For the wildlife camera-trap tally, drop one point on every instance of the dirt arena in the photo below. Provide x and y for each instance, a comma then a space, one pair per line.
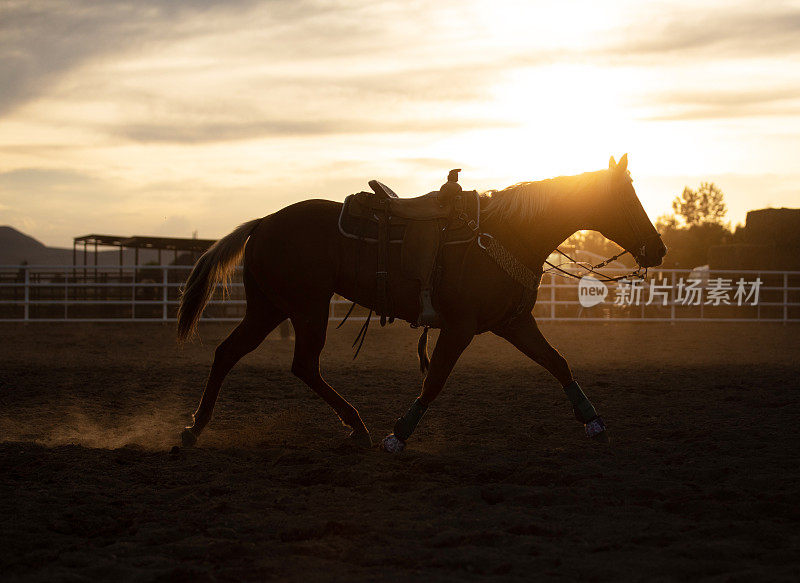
701, 482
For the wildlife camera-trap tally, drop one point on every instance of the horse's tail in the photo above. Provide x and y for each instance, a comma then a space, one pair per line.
214, 265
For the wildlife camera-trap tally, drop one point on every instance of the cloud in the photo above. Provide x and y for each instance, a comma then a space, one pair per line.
250, 104
210, 132
746, 97
762, 30
56, 193
253, 70
362, 48
33, 180
225, 104
715, 104
41, 41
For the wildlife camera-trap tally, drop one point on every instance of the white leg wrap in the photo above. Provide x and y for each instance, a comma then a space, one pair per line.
393, 445
595, 427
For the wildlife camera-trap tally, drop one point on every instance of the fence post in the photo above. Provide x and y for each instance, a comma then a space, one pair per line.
672, 298
641, 312
133, 293
66, 291
785, 297
704, 286
27, 292
758, 307
164, 295
552, 296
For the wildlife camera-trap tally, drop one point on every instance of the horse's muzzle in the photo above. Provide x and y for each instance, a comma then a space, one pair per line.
652, 253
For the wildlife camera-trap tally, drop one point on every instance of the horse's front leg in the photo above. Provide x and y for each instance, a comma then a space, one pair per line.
524, 334
451, 343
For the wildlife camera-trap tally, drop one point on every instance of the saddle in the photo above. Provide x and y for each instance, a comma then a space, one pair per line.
422, 226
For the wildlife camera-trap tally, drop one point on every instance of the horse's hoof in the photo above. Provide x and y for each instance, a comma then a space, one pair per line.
361, 439
188, 438
594, 427
596, 430
392, 444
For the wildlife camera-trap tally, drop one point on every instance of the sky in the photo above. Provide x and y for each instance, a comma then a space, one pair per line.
163, 117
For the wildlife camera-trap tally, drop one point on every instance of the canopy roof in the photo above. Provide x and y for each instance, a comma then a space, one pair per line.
139, 242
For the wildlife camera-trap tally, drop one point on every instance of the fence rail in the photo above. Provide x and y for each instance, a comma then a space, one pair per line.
151, 293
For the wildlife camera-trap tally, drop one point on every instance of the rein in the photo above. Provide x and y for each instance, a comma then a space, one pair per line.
638, 273
528, 279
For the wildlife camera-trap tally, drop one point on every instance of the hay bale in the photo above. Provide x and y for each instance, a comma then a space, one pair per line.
780, 227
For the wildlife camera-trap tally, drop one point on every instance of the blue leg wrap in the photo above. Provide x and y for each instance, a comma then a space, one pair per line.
406, 425
580, 403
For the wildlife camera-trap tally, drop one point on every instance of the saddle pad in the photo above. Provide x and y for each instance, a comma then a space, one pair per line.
358, 221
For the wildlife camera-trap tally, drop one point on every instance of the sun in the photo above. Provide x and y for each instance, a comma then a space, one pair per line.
551, 120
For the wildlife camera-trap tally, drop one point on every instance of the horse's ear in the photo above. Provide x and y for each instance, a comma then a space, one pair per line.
612, 163
623, 164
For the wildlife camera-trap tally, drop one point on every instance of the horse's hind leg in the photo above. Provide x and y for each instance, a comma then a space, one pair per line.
452, 341
259, 320
310, 328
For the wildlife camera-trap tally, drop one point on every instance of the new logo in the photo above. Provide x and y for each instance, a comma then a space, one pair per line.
591, 291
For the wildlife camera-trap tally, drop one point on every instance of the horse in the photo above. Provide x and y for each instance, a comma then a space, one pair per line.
296, 259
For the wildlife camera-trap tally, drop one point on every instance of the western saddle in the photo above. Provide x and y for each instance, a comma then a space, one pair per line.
421, 225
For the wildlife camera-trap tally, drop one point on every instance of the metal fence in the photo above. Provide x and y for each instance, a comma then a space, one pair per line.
151, 293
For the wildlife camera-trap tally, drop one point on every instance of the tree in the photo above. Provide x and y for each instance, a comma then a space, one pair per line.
666, 223
696, 226
688, 246
701, 206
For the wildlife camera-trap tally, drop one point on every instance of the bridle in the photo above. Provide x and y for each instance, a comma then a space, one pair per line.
638, 273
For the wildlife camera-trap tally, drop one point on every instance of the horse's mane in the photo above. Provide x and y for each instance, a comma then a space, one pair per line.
526, 201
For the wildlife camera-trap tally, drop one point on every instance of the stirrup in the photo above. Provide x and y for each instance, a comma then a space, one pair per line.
428, 316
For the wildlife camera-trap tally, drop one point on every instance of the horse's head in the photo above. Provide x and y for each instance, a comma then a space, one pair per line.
621, 218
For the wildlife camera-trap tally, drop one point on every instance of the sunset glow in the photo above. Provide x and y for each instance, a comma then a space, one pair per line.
151, 118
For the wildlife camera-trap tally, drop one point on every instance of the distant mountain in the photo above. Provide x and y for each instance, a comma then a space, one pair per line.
17, 247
